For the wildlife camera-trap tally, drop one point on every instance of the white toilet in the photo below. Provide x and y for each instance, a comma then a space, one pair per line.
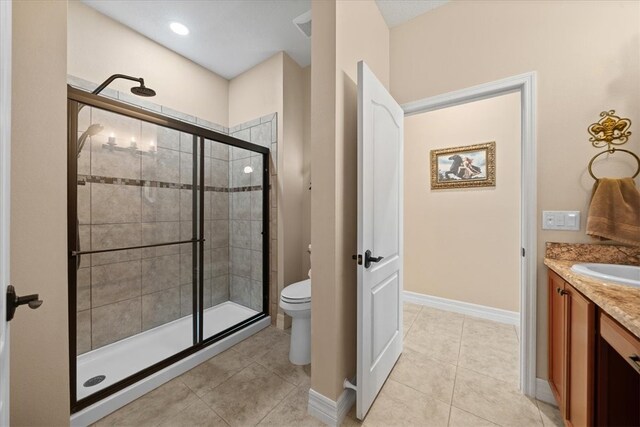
295, 300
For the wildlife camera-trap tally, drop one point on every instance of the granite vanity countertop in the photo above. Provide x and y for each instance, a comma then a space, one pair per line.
619, 301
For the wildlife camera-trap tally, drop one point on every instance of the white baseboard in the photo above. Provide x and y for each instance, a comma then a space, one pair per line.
329, 412
467, 308
543, 392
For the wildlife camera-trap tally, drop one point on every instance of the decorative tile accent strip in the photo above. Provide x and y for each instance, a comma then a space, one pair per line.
97, 179
246, 188
585, 252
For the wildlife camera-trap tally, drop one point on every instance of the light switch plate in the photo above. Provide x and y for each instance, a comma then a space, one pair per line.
561, 220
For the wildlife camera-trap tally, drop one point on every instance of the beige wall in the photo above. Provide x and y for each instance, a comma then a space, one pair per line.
257, 91
580, 73
292, 167
345, 32
99, 47
306, 170
447, 231
362, 34
324, 322
39, 344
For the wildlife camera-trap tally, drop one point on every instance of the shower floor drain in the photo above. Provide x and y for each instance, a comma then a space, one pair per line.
94, 381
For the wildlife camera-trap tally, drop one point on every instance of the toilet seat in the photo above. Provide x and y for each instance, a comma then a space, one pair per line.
296, 301
299, 308
297, 293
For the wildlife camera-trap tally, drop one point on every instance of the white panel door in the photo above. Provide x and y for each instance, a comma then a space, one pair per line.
5, 152
380, 177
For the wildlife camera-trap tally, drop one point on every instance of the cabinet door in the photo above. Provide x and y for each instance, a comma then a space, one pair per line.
580, 334
557, 324
618, 390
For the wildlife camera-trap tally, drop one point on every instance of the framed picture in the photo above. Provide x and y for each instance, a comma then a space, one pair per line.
464, 167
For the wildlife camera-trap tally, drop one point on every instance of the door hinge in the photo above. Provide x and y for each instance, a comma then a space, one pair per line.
523, 252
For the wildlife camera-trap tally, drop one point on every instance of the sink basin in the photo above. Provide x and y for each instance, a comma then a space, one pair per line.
624, 274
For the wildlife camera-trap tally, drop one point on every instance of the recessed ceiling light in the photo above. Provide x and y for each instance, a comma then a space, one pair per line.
179, 28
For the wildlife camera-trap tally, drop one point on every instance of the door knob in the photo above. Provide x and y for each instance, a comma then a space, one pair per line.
14, 301
368, 259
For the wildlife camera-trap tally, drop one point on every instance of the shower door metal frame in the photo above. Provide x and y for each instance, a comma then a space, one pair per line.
77, 97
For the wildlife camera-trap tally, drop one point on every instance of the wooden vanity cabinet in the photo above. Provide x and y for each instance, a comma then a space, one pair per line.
571, 351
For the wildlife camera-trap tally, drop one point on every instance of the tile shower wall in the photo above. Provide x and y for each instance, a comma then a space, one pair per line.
130, 198
246, 211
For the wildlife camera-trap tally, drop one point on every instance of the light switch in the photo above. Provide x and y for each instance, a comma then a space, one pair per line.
561, 220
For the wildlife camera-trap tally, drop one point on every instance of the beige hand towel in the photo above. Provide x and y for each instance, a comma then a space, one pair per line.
614, 212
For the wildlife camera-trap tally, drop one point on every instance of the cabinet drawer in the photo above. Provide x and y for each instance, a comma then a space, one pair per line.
623, 341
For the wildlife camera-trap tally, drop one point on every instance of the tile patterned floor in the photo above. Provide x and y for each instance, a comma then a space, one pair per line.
455, 371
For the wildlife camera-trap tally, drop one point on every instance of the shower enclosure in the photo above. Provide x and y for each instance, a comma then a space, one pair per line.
156, 208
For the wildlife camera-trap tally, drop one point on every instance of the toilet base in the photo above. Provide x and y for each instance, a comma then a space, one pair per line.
300, 347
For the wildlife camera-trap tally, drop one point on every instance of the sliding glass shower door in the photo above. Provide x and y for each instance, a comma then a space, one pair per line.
234, 231
166, 244
136, 188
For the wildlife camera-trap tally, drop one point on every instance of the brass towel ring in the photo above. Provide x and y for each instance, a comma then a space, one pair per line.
611, 151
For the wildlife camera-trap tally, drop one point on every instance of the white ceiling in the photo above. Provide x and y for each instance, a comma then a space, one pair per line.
229, 37
397, 12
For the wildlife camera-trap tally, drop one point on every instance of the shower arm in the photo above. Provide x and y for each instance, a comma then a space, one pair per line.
114, 77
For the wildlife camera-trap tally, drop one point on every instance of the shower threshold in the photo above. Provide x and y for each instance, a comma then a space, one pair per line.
126, 357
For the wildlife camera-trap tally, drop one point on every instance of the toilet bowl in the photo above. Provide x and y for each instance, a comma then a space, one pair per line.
295, 300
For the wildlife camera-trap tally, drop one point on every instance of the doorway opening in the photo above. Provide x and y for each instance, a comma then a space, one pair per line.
524, 87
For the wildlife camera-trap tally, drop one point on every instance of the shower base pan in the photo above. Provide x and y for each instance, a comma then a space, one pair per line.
126, 357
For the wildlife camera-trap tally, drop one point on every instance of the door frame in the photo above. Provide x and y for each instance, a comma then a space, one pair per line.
5, 190
525, 84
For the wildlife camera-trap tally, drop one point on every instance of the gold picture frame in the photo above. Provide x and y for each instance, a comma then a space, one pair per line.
464, 167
